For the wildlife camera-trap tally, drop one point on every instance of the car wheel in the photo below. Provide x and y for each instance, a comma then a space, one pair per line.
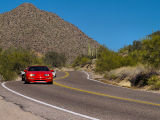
50, 82
26, 82
23, 78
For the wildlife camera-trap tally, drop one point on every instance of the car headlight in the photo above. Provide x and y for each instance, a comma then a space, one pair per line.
32, 75
46, 74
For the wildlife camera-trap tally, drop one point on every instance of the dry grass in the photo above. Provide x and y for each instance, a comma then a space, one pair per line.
125, 73
131, 76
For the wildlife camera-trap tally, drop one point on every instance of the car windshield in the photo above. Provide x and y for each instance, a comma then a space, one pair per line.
38, 68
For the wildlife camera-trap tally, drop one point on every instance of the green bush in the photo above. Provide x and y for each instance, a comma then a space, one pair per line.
55, 59
81, 60
13, 60
151, 50
113, 76
145, 51
154, 81
108, 60
128, 61
84, 61
156, 86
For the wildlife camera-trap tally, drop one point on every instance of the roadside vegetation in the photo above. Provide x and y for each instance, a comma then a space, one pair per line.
54, 59
138, 63
81, 61
147, 53
14, 60
108, 60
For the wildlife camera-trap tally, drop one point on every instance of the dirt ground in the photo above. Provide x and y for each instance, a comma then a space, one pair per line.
8, 111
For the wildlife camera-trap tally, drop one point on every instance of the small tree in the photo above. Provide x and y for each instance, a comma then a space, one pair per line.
81, 61
55, 59
13, 60
151, 51
108, 60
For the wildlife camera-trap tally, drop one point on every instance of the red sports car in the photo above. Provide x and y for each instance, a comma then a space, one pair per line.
38, 74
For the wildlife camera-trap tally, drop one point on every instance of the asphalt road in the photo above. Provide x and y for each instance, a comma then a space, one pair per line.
76, 93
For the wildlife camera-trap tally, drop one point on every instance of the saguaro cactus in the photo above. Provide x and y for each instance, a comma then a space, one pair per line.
89, 49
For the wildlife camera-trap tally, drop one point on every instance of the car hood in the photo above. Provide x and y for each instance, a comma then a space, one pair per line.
39, 72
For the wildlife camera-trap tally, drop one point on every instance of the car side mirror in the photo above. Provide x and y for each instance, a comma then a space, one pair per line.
52, 70
25, 70
22, 72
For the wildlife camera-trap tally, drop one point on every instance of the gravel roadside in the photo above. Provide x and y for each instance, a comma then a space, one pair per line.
10, 111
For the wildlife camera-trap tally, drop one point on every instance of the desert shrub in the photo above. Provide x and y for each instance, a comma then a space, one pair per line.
128, 61
81, 61
145, 51
13, 60
84, 61
136, 45
110, 76
108, 60
154, 81
125, 72
156, 86
151, 50
55, 59
141, 79
137, 75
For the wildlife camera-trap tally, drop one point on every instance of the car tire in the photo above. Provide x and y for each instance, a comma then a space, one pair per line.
23, 78
26, 82
50, 82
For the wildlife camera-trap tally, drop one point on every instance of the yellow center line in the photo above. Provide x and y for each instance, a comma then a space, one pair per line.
101, 94
67, 74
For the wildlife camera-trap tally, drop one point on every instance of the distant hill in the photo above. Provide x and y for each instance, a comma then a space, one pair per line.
28, 27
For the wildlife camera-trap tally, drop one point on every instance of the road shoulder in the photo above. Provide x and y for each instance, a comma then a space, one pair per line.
11, 111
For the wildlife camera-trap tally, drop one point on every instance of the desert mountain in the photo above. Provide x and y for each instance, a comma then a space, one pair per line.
29, 27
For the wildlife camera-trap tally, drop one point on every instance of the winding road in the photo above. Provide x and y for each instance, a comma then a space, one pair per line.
73, 96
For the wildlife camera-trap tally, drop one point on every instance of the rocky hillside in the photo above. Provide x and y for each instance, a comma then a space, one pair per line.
28, 27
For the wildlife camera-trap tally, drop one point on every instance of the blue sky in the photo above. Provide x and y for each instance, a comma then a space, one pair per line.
114, 23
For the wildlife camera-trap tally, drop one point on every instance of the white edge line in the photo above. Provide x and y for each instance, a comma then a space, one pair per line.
88, 77
49, 105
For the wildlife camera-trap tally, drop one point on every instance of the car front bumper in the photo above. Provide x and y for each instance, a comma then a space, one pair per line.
40, 80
